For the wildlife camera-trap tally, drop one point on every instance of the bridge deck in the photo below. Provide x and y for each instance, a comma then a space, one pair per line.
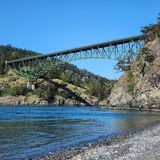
84, 48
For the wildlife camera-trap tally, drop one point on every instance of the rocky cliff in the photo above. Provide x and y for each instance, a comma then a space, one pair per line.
139, 88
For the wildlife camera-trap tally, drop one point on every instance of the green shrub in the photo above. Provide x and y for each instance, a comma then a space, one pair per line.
131, 88
130, 82
10, 79
15, 91
130, 76
41, 92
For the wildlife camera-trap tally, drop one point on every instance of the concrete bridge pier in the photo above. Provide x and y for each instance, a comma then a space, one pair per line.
31, 85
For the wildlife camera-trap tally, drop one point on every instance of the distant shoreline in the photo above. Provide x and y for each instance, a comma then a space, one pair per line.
96, 106
117, 146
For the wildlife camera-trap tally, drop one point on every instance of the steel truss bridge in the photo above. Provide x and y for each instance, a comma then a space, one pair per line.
126, 48
32, 68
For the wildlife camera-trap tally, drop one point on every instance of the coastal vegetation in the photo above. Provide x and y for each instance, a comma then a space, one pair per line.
151, 31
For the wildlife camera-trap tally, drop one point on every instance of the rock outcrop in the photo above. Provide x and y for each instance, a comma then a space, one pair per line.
145, 82
21, 100
119, 97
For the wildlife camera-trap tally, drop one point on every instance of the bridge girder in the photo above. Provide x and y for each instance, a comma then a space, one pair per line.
116, 50
120, 51
33, 68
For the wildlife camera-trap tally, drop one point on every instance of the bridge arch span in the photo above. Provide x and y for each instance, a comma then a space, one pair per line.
115, 50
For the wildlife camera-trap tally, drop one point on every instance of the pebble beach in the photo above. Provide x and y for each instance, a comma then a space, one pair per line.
142, 144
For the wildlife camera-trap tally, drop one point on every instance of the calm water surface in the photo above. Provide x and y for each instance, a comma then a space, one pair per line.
32, 131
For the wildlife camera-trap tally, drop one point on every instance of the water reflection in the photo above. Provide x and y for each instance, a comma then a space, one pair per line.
28, 131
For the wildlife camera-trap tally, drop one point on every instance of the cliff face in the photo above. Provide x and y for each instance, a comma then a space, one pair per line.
139, 88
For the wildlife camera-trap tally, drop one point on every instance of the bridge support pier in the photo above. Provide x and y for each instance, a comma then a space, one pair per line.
31, 85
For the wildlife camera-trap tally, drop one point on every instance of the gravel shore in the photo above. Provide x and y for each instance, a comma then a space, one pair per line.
143, 144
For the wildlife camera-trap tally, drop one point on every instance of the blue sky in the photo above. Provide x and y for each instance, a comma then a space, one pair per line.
46, 26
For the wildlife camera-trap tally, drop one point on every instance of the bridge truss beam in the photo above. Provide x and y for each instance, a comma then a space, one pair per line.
119, 49
33, 68
115, 52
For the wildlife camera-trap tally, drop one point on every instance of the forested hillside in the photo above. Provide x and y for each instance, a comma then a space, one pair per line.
10, 53
63, 74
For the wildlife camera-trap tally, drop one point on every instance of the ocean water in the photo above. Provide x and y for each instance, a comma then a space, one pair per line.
31, 131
